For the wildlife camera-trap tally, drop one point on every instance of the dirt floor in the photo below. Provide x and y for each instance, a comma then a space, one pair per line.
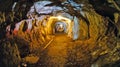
61, 53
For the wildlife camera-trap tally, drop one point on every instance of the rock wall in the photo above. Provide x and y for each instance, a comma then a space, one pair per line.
9, 54
96, 39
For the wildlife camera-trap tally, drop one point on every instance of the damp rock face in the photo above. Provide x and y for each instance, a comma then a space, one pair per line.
106, 52
9, 54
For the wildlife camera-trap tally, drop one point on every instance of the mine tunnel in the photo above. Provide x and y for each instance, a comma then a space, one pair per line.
59, 33
59, 27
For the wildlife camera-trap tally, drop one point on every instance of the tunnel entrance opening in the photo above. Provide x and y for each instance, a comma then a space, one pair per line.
59, 28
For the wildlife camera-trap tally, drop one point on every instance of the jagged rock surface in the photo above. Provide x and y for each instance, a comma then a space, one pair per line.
98, 44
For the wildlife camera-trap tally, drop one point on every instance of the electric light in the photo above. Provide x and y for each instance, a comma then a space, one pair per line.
61, 18
61, 25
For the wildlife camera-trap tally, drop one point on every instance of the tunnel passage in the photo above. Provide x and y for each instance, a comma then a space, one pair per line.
59, 27
59, 24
